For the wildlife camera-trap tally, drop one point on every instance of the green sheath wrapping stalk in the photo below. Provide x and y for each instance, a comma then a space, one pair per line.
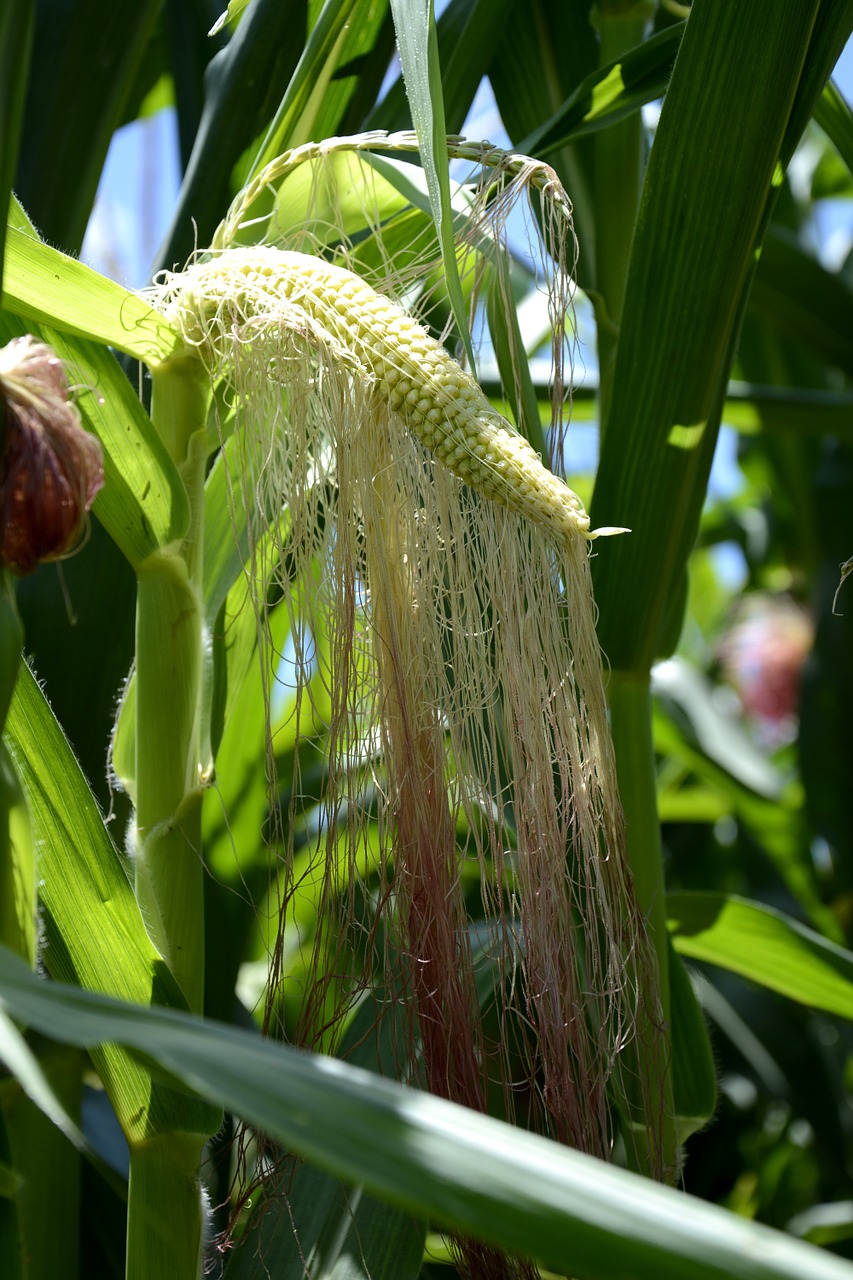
439, 402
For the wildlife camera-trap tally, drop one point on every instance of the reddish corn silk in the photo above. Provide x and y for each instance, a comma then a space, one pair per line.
51, 468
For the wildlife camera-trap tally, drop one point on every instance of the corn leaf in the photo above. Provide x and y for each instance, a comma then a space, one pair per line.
463, 1169
609, 94
329, 1232
42, 1142
346, 84
764, 945
469, 32
547, 49
42, 284
92, 929
709, 180
774, 821
88, 59
834, 116
686, 697
258, 61
19, 1059
414, 23
794, 294
16, 33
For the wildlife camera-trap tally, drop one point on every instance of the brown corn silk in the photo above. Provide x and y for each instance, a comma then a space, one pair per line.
450, 629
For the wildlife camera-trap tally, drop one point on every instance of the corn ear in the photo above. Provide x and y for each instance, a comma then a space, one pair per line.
390, 350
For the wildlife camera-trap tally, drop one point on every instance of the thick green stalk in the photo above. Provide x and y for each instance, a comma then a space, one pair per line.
618, 182
630, 711
165, 1222
170, 774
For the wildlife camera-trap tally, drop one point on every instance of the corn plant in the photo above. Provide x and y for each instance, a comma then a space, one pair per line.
391, 739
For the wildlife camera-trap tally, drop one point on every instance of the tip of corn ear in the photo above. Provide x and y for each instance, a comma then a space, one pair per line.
606, 531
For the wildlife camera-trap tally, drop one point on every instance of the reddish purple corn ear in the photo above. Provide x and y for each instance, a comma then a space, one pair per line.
51, 468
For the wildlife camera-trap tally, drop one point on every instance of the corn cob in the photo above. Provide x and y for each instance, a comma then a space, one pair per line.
417, 378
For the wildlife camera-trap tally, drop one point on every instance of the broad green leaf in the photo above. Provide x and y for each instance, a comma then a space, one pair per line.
691, 804
468, 33
226, 539
832, 29
347, 80
312, 1222
318, 1226
83, 76
42, 284
236, 812
703, 210
18, 869
92, 931
513, 360
548, 48
311, 79
465, 1170
267, 61
764, 945
230, 16
609, 94
834, 116
191, 49
793, 292
774, 821
729, 1022
414, 23
16, 33
10, 1182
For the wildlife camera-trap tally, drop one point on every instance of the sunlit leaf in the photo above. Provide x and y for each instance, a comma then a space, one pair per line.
92, 930
42, 284
416, 37
765, 946
465, 1170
